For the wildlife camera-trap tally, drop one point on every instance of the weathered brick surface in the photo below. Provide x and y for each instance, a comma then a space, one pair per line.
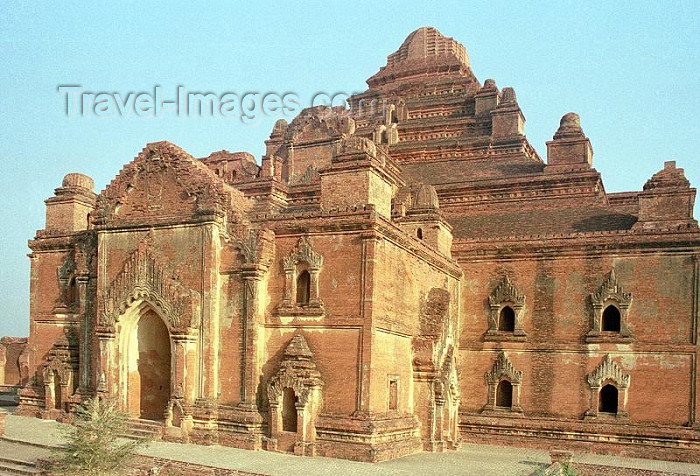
598, 470
350, 287
11, 350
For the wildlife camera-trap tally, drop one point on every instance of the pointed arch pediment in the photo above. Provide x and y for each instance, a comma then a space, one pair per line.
503, 368
608, 370
165, 181
303, 253
144, 278
611, 290
506, 292
506, 295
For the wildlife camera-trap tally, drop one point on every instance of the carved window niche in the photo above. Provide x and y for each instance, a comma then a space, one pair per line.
506, 304
301, 281
609, 385
610, 309
59, 374
295, 397
504, 387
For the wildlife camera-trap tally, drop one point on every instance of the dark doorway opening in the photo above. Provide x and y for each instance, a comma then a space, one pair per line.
506, 319
608, 399
303, 288
57, 396
504, 394
611, 319
289, 410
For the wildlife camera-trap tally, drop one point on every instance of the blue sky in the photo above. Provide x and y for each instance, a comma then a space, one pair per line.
630, 69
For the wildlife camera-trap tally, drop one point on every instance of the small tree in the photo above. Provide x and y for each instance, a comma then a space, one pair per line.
93, 445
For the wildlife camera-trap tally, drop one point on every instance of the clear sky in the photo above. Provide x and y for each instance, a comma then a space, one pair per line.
630, 69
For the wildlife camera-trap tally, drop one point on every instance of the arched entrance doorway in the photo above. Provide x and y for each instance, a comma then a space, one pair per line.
147, 357
153, 366
58, 401
289, 410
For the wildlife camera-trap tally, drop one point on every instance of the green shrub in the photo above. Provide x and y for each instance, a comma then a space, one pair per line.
93, 446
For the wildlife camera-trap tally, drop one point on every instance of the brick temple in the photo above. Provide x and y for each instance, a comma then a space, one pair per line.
406, 274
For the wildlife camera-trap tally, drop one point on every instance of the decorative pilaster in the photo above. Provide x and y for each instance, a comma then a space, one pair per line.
252, 276
257, 250
107, 369
184, 381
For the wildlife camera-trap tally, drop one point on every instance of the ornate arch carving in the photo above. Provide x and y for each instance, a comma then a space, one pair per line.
445, 428
142, 277
257, 246
610, 293
303, 253
62, 368
503, 369
506, 294
65, 275
447, 383
611, 290
608, 370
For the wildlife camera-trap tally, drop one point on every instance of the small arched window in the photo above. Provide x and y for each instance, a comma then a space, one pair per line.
607, 401
393, 118
504, 394
71, 293
384, 138
303, 288
506, 319
611, 319
289, 410
419, 233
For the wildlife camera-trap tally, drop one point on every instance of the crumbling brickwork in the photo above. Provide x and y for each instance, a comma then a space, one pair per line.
393, 278
12, 355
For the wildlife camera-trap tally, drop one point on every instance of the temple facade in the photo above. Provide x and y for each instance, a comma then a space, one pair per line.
404, 274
